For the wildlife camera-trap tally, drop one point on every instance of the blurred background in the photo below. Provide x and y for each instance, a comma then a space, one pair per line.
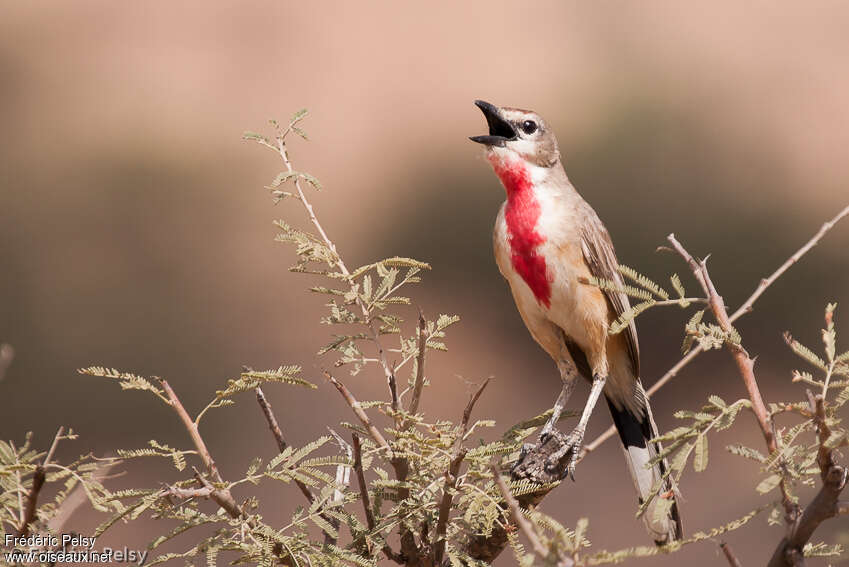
135, 231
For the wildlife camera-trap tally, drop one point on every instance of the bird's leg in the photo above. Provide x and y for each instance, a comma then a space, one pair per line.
568, 375
559, 405
576, 438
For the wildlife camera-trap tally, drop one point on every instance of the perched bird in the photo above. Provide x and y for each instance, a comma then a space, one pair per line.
548, 243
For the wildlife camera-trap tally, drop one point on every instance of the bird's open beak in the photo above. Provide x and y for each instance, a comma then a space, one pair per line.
500, 131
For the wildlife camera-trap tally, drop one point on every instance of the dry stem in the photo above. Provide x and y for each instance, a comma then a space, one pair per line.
826, 503
746, 307
729, 555
220, 496
384, 363
38, 478
418, 384
523, 523
458, 454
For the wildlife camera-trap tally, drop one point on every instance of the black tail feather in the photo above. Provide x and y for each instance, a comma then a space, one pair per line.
636, 433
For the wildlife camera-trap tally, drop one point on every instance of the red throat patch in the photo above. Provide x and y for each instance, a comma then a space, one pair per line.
522, 214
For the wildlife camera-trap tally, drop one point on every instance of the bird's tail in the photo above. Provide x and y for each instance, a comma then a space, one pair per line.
636, 432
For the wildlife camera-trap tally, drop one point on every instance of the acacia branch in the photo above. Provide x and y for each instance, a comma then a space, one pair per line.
361, 481
268, 412
458, 454
221, 496
522, 522
418, 383
38, 478
364, 497
375, 434
826, 504
745, 365
746, 307
766, 282
745, 368
729, 555
367, 320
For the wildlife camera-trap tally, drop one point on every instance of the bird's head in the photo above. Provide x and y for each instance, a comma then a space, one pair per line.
518, 134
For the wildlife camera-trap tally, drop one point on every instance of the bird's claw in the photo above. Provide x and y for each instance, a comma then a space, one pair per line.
572, 448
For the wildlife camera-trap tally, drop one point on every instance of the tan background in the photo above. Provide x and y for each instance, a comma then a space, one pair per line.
135, 232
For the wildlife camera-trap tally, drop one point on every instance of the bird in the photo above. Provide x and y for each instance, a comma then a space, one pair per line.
548, 244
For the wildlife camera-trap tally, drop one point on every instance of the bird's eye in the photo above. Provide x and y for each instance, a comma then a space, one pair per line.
529, 126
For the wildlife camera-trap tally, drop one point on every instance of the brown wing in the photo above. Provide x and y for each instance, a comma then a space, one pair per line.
601, 260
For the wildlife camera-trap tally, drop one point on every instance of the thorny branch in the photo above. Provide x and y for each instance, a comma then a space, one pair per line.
418, 383
221, 496
409, 548
745, 308
523, 523
278, 436
729, 555
801, 523
363, 489
367, 320
826, 503
745, 365
458, 453
375, 434
38, 478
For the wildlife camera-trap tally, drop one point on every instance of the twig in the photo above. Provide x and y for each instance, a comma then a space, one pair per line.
746, 307
361, 481
458, 453
38, 478
729, 554
269, 417
384, 363
221, 496
520, 520
267, 410
470, 405
278, 436
363, 489
375, 434
192, 428
409, 548
826, 504
745, 365
766, 282
77, 498
418, 384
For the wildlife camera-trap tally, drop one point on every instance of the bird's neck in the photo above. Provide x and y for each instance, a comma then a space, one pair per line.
515, 174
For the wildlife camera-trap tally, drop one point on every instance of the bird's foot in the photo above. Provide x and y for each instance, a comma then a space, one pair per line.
568, 451
535, 461
546, 431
